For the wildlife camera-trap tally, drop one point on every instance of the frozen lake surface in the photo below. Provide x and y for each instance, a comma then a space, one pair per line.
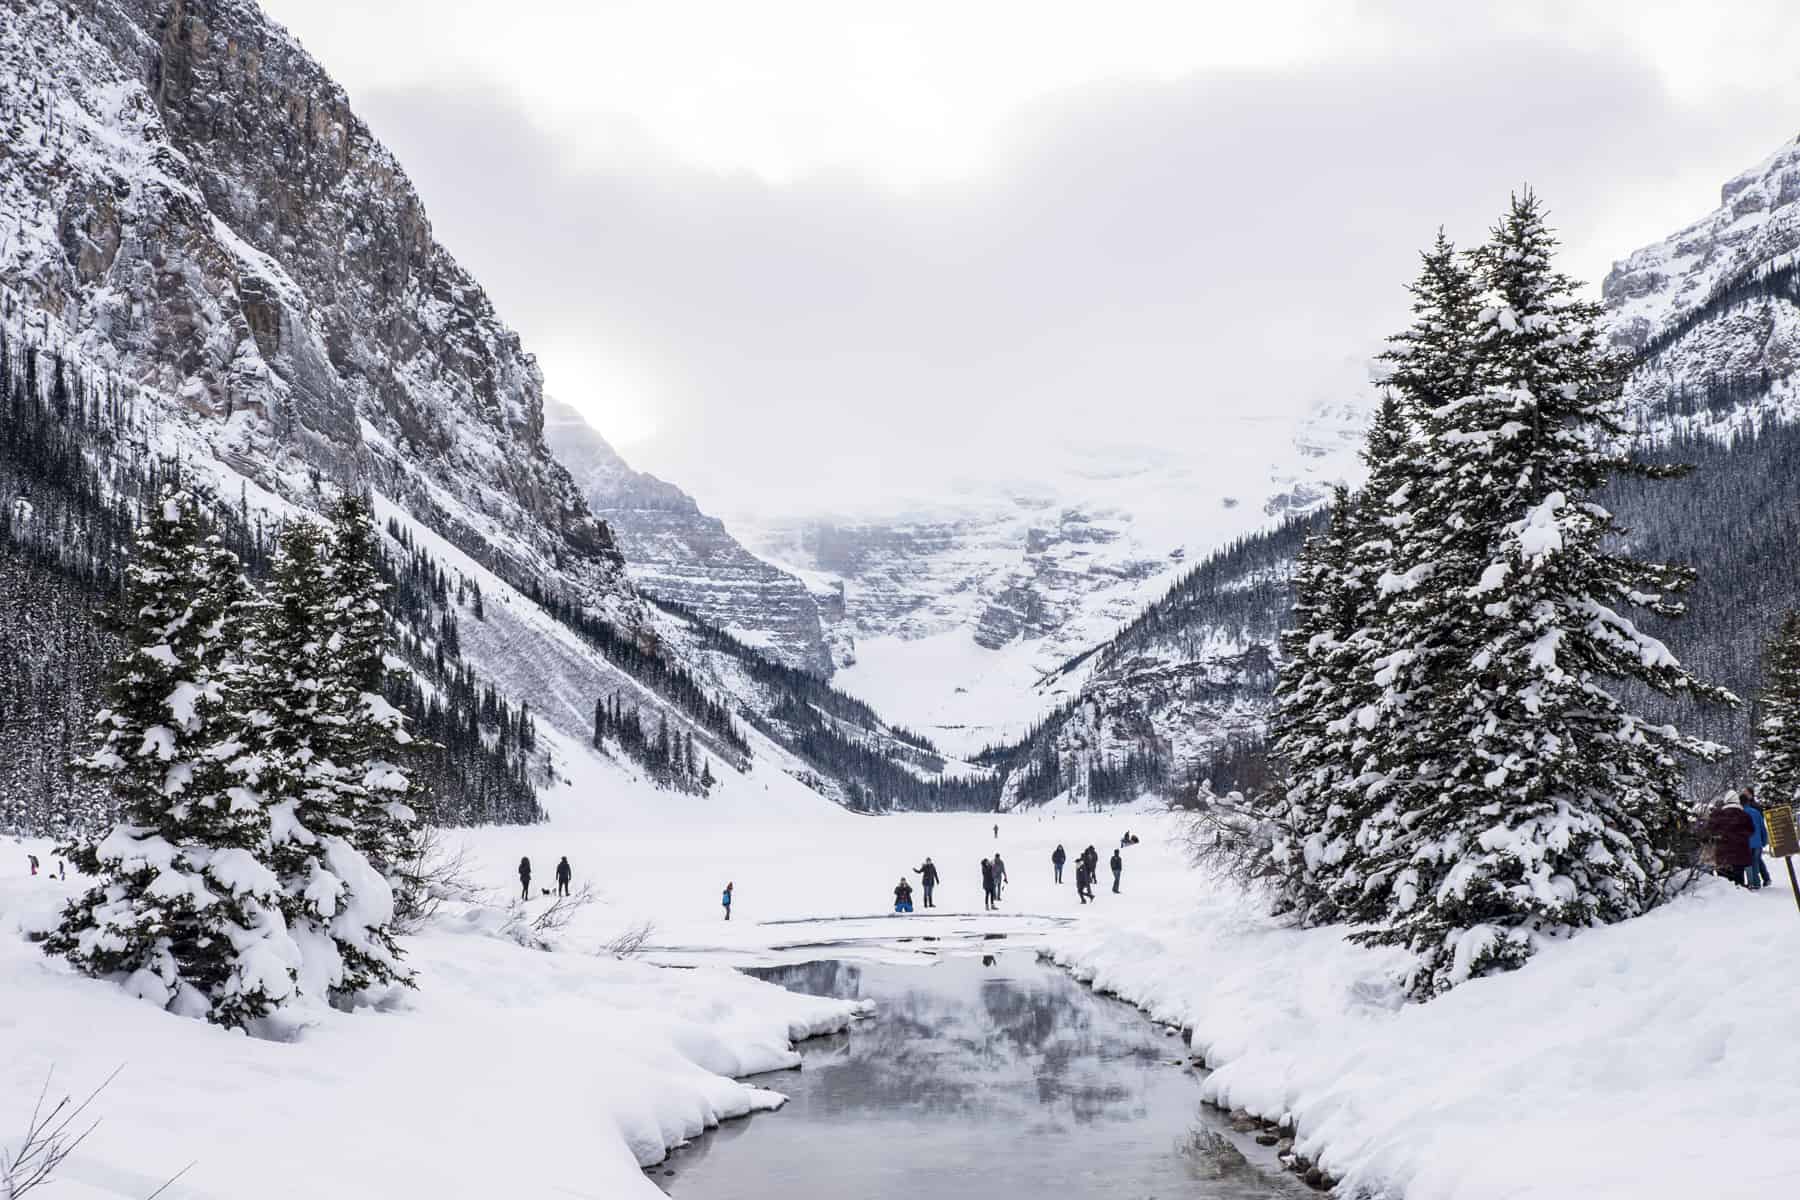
983, 1077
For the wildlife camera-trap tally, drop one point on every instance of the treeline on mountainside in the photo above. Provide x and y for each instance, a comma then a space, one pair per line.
74, 471
1464, 769
872, 778
267, 824
672, 758
1780, 282
650, 666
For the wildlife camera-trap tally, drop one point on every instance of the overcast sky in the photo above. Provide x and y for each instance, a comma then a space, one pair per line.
804, 255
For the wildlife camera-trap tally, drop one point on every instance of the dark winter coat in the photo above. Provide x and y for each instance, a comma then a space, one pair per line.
524, 868
903, 893
928, 874
1760, 839
563, 872
1091, 857
1058, 857
987, 876
1731, 829
1118, 864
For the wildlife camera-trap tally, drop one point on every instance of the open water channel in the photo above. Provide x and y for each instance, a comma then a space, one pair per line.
983, 1077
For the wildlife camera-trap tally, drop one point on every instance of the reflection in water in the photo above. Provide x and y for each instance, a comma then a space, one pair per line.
990, 1078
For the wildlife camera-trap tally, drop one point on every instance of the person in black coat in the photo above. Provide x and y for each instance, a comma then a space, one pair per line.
987, 884
928, 879
1058, 857
524, 879
564, 873
1118, 865
1084, 881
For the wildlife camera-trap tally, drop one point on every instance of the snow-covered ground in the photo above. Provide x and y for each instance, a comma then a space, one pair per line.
1631, 1062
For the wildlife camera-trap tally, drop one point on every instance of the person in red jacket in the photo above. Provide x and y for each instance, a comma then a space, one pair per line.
1730, 829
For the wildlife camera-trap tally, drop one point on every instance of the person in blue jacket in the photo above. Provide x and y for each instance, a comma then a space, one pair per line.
1756, 875
726, 901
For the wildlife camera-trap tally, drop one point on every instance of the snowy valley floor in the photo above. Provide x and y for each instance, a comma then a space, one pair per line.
1631, 1062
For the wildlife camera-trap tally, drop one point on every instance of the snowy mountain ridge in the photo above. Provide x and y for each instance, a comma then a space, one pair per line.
959, 606
675, 552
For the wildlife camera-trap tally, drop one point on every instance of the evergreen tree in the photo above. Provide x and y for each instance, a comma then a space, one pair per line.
1533, 801
1316, 660
1778, 724
371, 744
186, 914
339, 908
1431, 368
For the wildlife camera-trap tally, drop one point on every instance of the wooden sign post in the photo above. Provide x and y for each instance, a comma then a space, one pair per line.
1784, 840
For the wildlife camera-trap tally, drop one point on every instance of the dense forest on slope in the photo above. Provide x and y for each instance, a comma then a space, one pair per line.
74, 464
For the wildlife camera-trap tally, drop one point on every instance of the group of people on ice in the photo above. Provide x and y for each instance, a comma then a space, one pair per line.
994, 878
1738, 833
1087, 867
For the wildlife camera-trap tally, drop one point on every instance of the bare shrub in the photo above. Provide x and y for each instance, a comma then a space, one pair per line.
631, 941
1225, 836
434, 871
50, 1137
535, 932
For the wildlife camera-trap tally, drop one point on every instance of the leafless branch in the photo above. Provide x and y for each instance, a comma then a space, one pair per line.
49, 1139
631, 941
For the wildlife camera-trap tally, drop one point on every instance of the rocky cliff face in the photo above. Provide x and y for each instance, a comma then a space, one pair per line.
188, 199
1715, 310
673, 551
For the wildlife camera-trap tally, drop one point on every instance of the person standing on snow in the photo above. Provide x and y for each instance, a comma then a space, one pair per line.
928, 877
987, 884
1058, 857
726, 901
996, 833
1730, 829
1118, 865
563, 875
1757, 874
524, 879
1082, 878
1000, 880
903, 896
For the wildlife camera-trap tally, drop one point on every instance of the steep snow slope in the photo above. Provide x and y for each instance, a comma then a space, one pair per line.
959, 607
675, 552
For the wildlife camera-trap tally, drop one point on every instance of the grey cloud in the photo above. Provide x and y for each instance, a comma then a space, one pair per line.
1140, 258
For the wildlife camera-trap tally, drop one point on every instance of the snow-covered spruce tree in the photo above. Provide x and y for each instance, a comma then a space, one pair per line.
186, 913
371, 745
1431, 362
1778, 722
1317, 662
1534, 801
340, 910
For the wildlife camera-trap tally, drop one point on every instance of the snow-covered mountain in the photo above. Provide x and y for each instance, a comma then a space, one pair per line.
1714, 308
677, 553
198, 230
953, 609
188, 194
